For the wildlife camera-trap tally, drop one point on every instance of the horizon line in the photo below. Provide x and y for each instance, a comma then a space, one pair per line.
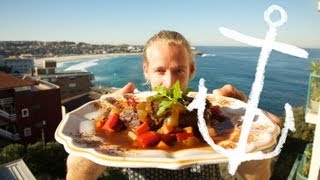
136, 44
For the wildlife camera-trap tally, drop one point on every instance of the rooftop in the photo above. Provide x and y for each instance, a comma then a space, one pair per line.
9, 82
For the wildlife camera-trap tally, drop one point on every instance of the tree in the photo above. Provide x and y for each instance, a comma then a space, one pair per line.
11, 152
56, 157
36, 158
48, 160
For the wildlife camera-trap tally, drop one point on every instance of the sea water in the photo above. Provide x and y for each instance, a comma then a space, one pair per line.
286, 77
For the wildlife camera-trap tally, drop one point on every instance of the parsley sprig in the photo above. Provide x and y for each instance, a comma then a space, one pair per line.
170, 96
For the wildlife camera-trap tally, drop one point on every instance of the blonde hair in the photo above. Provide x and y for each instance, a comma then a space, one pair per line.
171, 38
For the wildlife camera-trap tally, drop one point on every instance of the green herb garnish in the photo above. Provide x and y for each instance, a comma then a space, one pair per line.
174, 95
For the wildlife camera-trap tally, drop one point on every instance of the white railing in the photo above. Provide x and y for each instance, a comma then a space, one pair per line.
12, 117
16, 137
9, 135
8, 100
4, 114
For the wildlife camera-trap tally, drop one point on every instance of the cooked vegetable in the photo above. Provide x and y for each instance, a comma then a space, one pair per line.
100, 122
132, 135
183, 136
161, 121
111, 123
148, 139
191, 141
162, 145
142, 115
144, 127
188, 129
166, 129
176, 109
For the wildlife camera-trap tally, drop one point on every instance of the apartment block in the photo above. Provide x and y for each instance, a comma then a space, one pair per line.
30, 110
18, 66
71, 83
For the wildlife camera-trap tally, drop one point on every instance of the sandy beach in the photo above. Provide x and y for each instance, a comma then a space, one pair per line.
39, 62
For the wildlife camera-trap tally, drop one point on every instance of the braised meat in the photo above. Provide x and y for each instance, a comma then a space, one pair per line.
129, 117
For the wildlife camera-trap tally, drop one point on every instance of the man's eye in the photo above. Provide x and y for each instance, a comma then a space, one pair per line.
179, 71
159, 71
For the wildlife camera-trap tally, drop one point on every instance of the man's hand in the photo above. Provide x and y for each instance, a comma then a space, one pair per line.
230, 91
129, 88
81, 168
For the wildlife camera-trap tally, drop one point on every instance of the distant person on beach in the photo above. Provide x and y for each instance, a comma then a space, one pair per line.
167, 57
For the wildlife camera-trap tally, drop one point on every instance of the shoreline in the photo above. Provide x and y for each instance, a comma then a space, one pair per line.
59, 59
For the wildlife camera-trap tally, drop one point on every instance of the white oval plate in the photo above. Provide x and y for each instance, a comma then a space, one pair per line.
76, 133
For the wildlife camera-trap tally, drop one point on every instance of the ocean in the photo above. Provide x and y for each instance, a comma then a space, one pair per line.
286, 77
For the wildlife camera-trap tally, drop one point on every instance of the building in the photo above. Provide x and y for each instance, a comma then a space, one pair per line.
16, 170
19, 66
72, 83
29, 109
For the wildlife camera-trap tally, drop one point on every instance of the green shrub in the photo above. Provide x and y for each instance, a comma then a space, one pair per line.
49, 159
11, 152
304, 131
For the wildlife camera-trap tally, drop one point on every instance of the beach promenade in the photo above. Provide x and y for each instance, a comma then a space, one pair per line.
59, 59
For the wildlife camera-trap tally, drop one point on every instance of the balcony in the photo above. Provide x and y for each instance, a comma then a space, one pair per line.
9, 135
7, 109
11, 117
8, 100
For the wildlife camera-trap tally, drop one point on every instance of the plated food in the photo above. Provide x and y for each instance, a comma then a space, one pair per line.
154, 129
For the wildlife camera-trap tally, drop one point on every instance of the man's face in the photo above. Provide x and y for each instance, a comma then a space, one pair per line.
167, 64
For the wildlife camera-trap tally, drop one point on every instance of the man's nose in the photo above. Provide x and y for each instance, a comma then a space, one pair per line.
168, 80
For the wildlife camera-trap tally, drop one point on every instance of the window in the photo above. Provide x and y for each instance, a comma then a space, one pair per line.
53, 79
25, 112
72, 85
27, 132
72, 77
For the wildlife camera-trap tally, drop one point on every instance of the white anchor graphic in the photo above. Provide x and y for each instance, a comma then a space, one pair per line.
238, 155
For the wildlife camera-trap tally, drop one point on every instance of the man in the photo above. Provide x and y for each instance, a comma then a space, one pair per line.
167, 57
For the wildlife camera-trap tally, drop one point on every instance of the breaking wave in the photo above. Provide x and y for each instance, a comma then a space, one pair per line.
83, 65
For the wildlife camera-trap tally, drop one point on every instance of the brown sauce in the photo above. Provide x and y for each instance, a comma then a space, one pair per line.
121, 138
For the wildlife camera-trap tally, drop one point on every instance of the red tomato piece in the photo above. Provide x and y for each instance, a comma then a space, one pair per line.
149, 138
183, 136
111, 122
144, 127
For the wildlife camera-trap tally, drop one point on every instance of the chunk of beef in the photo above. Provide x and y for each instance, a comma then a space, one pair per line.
188, 119
130, 118
157, 121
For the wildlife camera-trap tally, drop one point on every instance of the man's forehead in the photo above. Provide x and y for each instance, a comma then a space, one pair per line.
158, 46
166, 51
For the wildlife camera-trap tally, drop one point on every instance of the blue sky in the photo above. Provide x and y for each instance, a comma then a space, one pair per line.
133, 22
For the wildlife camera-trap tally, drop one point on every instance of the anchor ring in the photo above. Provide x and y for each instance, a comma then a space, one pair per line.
281, 21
